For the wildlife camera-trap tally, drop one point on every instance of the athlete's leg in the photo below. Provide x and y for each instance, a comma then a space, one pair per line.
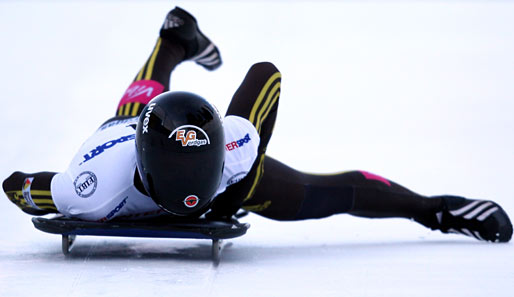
256, 100
179, 40
287, 194
315, 196
152, 79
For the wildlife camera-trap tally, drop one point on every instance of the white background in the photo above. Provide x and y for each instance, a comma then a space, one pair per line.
419, 92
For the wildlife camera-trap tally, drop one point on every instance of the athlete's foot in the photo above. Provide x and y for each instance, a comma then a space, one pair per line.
481, 219
181, 27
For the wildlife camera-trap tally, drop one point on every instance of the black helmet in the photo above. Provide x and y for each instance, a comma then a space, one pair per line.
180, 152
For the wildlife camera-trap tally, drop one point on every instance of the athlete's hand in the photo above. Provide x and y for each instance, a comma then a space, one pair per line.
13, 188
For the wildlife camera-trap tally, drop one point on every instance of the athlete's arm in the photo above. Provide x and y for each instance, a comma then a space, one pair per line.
31, 192
257, 101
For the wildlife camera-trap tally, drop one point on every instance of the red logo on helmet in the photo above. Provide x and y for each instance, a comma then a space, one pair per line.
191, 201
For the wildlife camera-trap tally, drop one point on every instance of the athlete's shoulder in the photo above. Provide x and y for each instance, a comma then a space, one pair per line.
238, 132
102, 168
241, 150
108, 138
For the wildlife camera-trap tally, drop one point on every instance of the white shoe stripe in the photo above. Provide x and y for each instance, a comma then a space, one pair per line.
210, 58
209, 63
477, 210
477, 235
487, 214
467, 232
451, 230
205, 52
464, 209
439, 217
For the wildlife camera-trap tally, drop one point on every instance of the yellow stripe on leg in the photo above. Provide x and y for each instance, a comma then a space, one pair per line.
140, 74
135, 109
126, 112
120, 110
257, 207
151, 63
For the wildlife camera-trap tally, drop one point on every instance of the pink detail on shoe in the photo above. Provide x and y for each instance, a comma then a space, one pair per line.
369, 175
141, 91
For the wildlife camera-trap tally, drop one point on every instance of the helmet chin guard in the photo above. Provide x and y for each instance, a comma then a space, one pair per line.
180, 152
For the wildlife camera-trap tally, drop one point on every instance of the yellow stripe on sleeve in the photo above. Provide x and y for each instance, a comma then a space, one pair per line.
267, 105
40, 193
269, 109
257, 103
16, 197
260, 171
43, 201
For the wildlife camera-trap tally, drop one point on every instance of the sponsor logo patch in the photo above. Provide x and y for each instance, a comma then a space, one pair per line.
191, 201
141, 91
114, 211
27, 183
147, 118
85, 184
238, 143
101, 148
236, 178
26, 192
190, 135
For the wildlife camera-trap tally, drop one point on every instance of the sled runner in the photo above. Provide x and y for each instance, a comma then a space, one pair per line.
155, 228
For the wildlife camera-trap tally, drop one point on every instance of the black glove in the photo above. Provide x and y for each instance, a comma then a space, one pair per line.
19, 184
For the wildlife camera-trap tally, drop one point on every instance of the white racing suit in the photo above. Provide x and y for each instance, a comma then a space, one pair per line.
99, 182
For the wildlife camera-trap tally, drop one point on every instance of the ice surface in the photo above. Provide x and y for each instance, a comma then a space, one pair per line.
419, 92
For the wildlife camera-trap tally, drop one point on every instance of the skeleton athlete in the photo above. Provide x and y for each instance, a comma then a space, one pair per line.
171, 153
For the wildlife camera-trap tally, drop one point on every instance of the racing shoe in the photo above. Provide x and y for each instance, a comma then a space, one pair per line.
481, 219
180, 26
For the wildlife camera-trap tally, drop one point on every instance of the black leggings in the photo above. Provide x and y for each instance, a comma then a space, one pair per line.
287, 194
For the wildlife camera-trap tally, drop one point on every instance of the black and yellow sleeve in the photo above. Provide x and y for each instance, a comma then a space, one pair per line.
31, 192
